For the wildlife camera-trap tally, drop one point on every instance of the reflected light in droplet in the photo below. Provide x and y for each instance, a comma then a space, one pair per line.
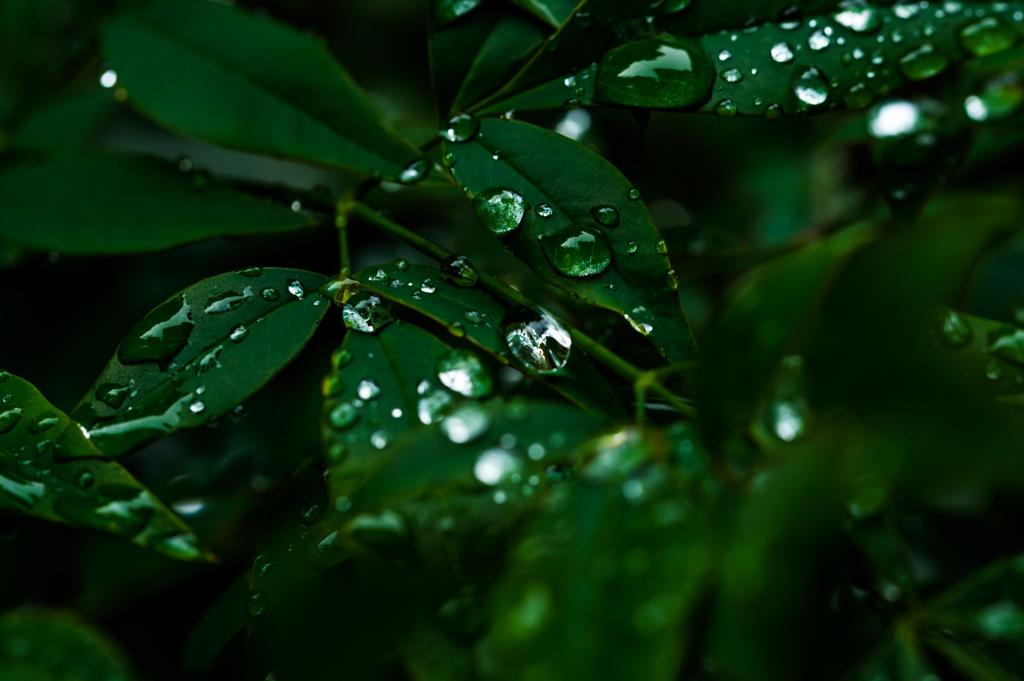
188, 506
108, 79
894, 118
976, 109
575, 124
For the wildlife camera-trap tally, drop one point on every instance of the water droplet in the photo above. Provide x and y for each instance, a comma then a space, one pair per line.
954, 331
160, 336
818, 40
239, 333
545, 211
923, 62
606, 215
463, 372
431, 407
631, 247
661, 247
773, 112
458, 270
340, 358
475, 317
457, 329
466, 423
634, 194
860, 19
86, 479
858, 96
108, 78
993, 371
270, 294
112, 394
789, 418
536, 339
251, 272
196, 407
461, 128
811, 87
724, 55
295, 288
343, 416
641, 320
368, 389
987, 36
782, 53
500, 208
255, 603
495, 466
227, 302
577, 251
906, 10
733, 76
658, 72
9, 419
427, 286
414, 172
449, 160
726, 107
366, 313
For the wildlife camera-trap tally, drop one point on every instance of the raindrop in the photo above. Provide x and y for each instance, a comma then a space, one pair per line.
724, 55
112, 395
954, 331
858, 96
782, 53
9, 419
458, 270
789, 418
811, 87
449, 160
818, 40
657, 72
255, 603
606, 215
461, 128
634, 194
495, 466
577, 251
366, 313
733, 76
160, 336
923, 62
631, 247
415, 171
860, 19
343, 416
431, 407
463, 372
466, 423
427, 286
270, 294
987, 36
295, 288
239, 333
500, 208
536, 339
545, 211
726, 107
196, 407
368, 389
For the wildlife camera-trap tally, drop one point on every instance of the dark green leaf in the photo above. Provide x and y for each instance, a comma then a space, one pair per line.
554, 12
224, 619
603, 585
477, 316
97, 203
88, 493
898, 658
50, 645
276, 91
67, 122
199, 354
619, 264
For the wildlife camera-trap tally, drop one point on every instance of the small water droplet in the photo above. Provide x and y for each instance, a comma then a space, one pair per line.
196, 407
458, 270
295, 288
255, 603
782, 53
414, 172
500, 209
733, 76
726, 107
818, 40
427, 286
495, 466
860, 19
462, 371
545, 211
923, 62
343, 415
810, 87
606, 215
993, 371
461, 128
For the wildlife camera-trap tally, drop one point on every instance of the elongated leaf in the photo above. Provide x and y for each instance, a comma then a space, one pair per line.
51, 645
827, 57
243, 81
572, 185
479, 316
199, 354
66, 122
899, 658
988, 353
89, 493
603, 586
224, 618
473, 56
104, 203
553, 12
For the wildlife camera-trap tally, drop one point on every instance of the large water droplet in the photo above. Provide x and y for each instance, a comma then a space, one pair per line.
366, 313
860, 19
226, 302
466, 423
577, 251
606, 215
414, 172
954, 331
463, 372
9, 419
536, 339
923, 62
343, 416
160, 336
431, 407
461, 128
998, 99
458, 270
782, 53
818, 40
660, 72
112, 394
500, 208
987, 36
810, 86
495, 466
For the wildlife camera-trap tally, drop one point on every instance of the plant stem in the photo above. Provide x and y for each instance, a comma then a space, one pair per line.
508, 294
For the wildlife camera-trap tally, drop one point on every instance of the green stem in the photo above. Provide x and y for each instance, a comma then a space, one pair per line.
508, 294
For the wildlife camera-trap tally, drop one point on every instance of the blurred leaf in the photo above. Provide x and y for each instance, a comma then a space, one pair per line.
88, 493
199, 354
554, 12
479, 316
95, 203
51, 645
603, 586
897, 659
67, 122
219, 623
619, 264
277, 92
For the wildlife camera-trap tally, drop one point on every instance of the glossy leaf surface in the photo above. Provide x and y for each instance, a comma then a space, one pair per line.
478, 316
88, 493
98, 203
67, 122
573, 183
200, 354
277, 92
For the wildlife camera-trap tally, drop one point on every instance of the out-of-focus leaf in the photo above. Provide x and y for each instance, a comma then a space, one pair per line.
471, 57
51, 645
585, 230
224, 619
67, 122
603, 585
88, 493
554, 12
899, 658
199, 354
246, 82
478, 315
105, 204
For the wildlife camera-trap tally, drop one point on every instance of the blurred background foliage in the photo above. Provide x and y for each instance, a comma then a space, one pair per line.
877, 470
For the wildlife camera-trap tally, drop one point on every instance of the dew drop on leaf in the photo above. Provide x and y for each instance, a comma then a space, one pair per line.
606, 215
536, 339
658, 72
255, 603
239, 333
923, 62
954, 331
368, 389
467, 422
500, 209
270, 294
296, 289
414, 172
461, 128
458, 270
366, 313
863, 19
160, 336
782, 53
810, 86
495, 466
545, 211
987, 36
430, 408
577, 251
9, 419
462, 371
726, 107
343, 416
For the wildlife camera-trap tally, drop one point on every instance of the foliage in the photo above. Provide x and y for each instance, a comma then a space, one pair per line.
483, 442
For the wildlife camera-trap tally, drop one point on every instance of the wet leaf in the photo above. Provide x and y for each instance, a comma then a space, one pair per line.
278, 92
479, 316
567, 236
94, 204
87, 493
554, 12
200, 354
224, 618
52, 645
603, 585
66, 122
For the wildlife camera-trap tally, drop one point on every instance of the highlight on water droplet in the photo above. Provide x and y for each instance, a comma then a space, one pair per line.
460, 128
606, 215
810, 86
458, 270
467, 422
366, 313
414, 172
923, 62
782, 53
462, 371
657, 72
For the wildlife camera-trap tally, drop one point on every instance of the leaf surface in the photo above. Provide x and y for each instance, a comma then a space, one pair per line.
112, 204
199, 354
246, 82
571, 181
87, 493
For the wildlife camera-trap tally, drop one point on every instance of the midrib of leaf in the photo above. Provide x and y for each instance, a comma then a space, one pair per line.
257, 85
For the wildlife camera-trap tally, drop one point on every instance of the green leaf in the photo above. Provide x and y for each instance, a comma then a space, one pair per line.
95, 203
199, 354
619, 264
88, 493
224, 618
474, 56
477, 316
554, 12
603, 585
67, 122
276, 91
898, 658
51, 645
833, 57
